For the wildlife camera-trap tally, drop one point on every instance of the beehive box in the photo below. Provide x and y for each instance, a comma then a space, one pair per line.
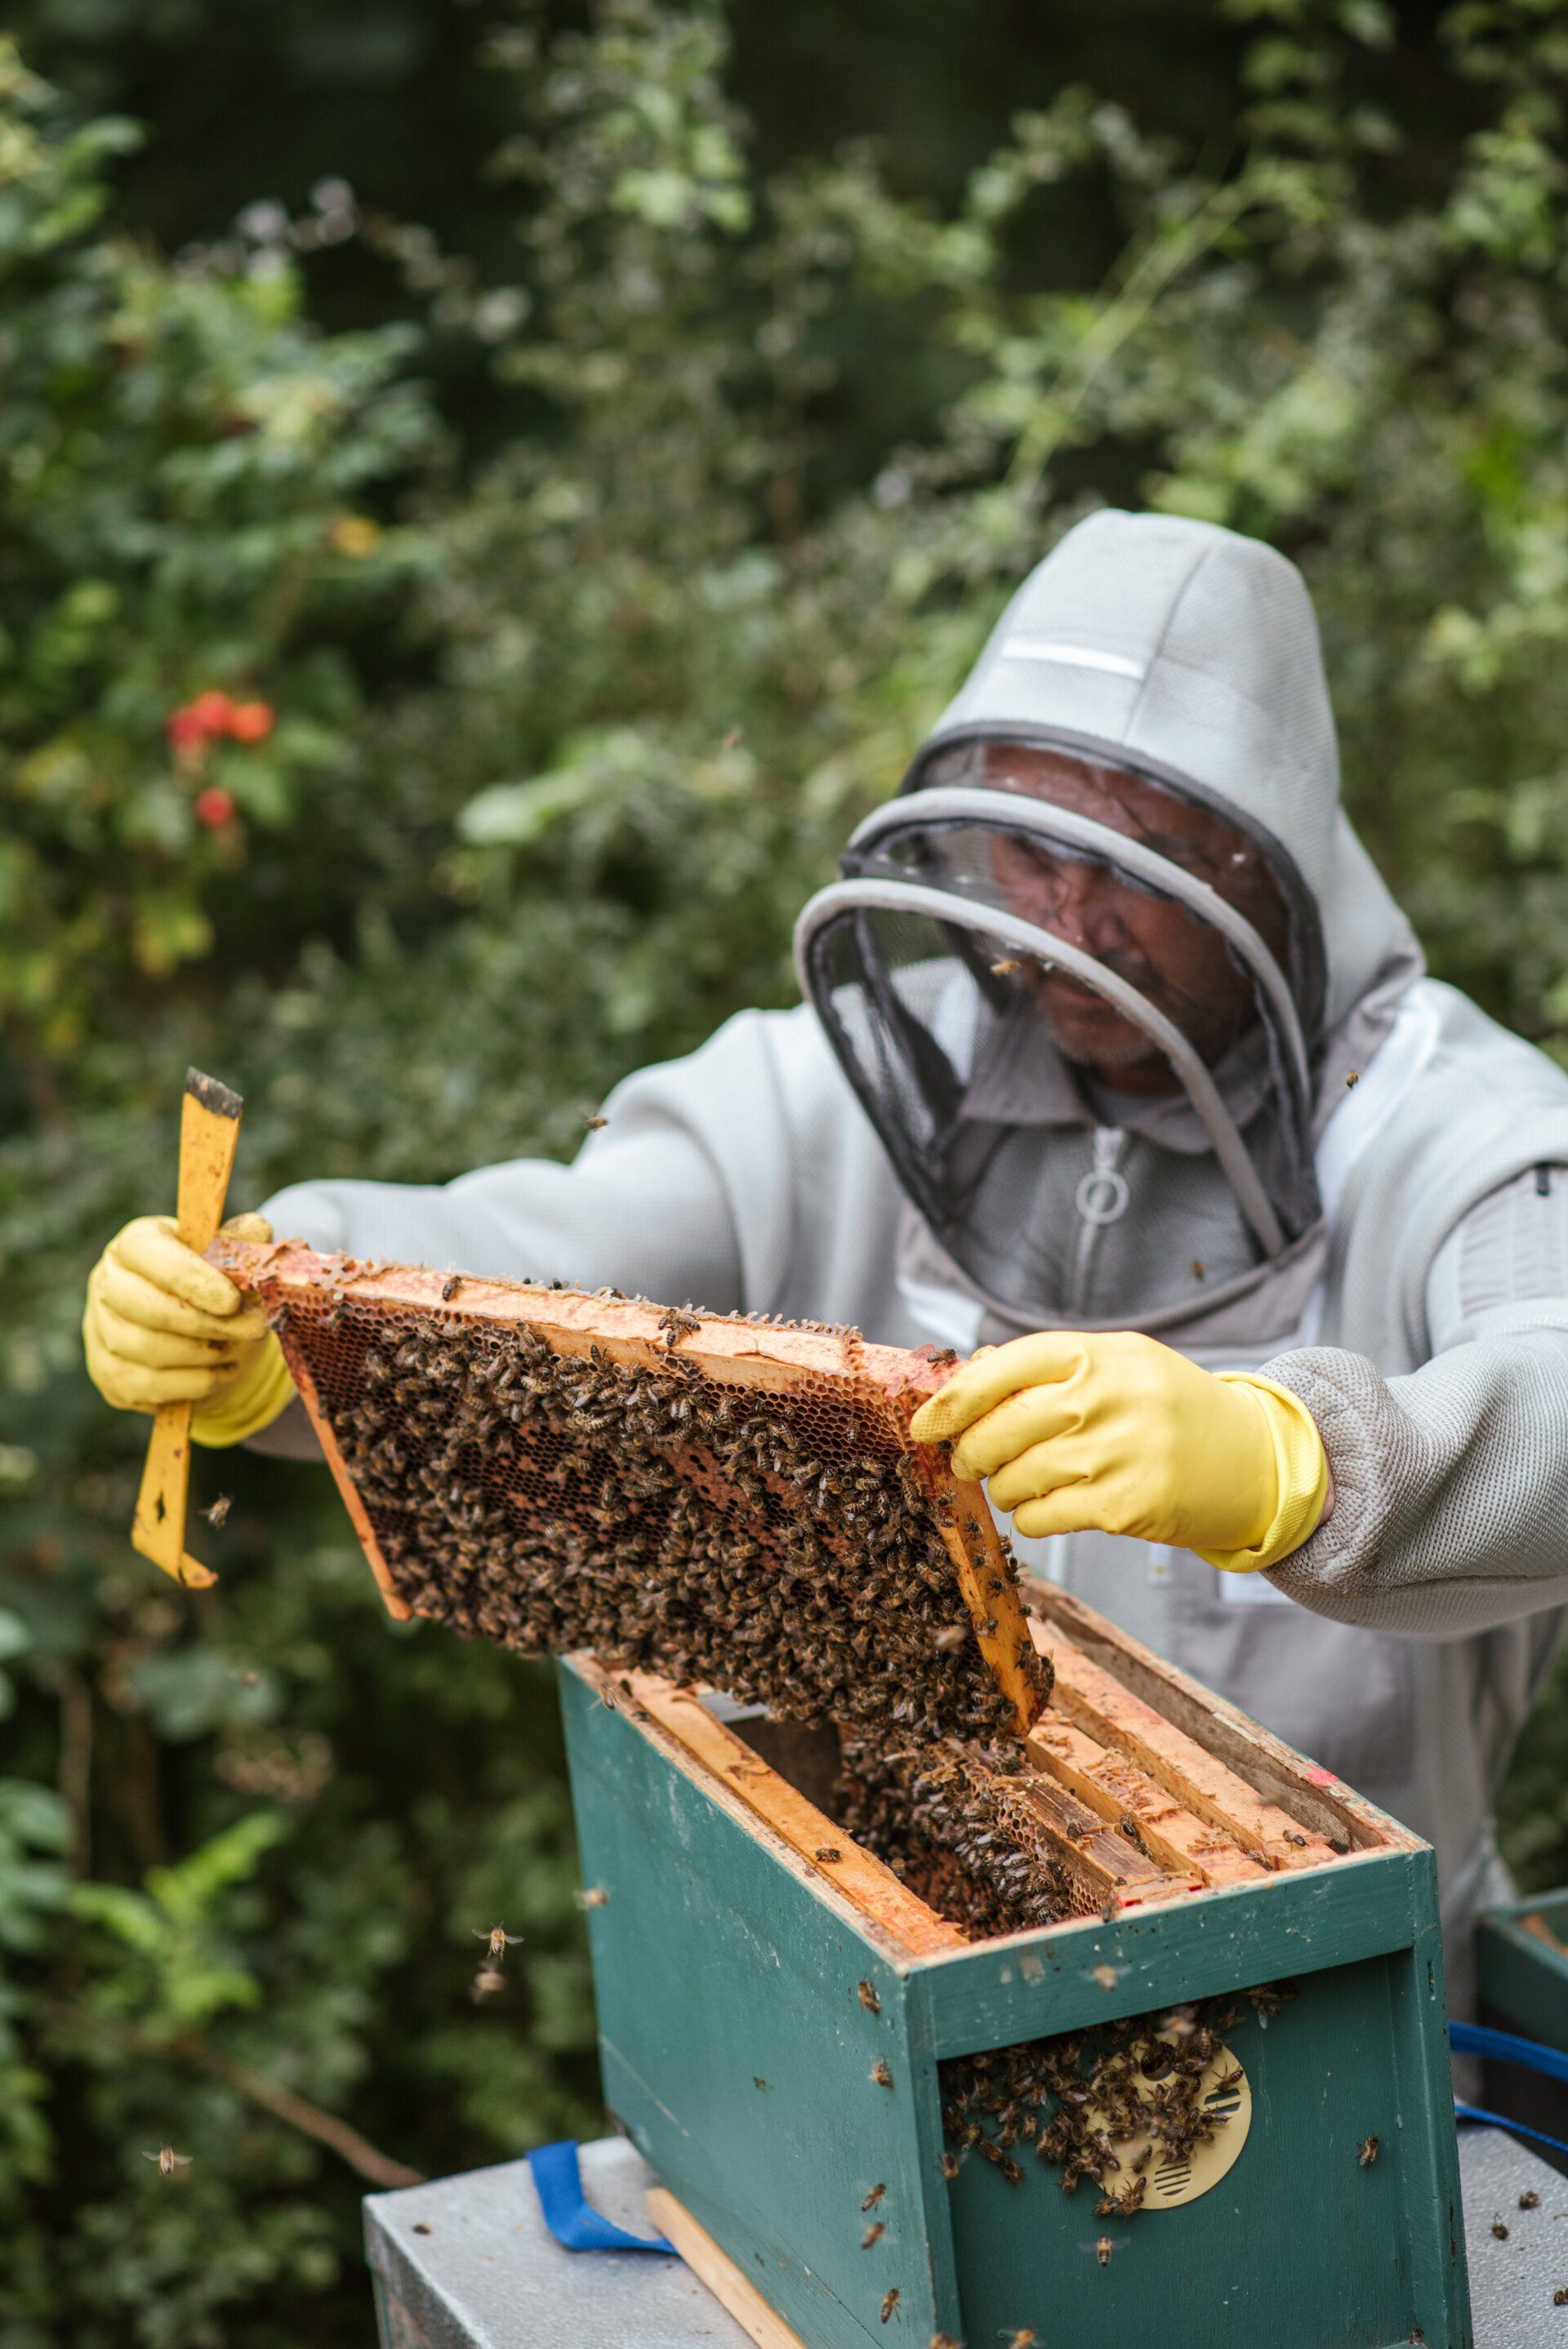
803, 2038
739, 2049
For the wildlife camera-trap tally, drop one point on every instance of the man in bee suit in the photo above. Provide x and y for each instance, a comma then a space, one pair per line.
1118, 1071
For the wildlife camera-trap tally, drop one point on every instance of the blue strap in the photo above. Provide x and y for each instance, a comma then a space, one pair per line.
1501, 2121
1506, 2047
569, 2215
1526, 2055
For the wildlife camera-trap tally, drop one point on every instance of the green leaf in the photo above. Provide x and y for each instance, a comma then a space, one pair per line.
514, 815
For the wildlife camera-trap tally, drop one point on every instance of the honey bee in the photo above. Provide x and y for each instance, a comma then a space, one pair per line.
1499, 2230
875, 2195
827, 1853
1368, 2153
1103, 2249
950, 2166
880, 2074
593, 1896
1005, 968
1529, 2200
168, 2160
219, 1510
867, 1993
450, 1286
485, 1985
1026, 2337
873, 2234
890, 2303
596, 1125
499, 1939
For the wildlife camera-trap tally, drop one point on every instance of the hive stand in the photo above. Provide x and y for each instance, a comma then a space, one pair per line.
465, 2263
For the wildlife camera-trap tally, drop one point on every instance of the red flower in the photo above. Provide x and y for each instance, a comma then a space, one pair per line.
214, 807
250, 721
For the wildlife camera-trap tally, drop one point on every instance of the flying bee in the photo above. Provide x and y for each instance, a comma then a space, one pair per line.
499, 1939
596, 1125
219, 1510
593, 1896
168, 2160
1026, 2337
1103, 2249
485, 1985
1006, 966
875, 2195
873, 2234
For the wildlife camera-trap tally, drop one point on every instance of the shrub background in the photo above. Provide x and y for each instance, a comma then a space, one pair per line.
601, 436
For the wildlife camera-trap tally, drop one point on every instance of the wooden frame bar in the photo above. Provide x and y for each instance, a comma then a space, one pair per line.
1100, 1704
1314, 1797
1129, 1799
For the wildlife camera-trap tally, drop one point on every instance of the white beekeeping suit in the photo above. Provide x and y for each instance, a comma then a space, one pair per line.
1362, 1193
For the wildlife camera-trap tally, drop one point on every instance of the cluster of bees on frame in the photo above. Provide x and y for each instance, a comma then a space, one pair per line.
939, 1815
776, 1544
1081, 2100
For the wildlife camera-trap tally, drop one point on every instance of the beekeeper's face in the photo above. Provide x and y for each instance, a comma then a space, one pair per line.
1172, 956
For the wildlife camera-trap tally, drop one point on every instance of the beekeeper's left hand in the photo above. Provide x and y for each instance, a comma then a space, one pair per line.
1113, 1430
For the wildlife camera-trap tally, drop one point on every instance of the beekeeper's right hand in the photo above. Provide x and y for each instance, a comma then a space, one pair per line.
162, 1325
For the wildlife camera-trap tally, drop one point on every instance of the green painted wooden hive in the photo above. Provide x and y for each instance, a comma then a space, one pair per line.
943, 1906
778, 2016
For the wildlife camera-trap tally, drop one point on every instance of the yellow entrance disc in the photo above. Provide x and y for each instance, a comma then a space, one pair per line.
1173, 2180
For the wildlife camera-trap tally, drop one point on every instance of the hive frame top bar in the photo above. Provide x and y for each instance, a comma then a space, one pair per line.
752, 1353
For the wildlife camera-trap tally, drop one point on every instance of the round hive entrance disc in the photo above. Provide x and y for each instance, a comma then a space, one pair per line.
1224, 2094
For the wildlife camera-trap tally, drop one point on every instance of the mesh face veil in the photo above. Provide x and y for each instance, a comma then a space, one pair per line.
999, 958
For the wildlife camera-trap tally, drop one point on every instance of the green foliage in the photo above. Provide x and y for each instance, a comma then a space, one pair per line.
179, 457
566, 726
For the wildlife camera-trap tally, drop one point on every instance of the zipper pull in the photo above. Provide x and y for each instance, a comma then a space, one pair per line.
1102, 1195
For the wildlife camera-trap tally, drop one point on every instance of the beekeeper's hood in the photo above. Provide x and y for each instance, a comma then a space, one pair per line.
1126, 825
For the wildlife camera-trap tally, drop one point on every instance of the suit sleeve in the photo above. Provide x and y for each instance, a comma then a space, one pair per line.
1450, 1511
657, 1204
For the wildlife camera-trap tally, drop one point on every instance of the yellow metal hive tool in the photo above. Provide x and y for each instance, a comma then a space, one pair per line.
208, 1136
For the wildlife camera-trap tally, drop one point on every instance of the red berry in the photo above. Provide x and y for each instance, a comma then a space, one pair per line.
214, 807
250, 721
197, 721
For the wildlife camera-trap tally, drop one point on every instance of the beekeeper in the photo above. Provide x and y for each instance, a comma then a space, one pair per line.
1119, 1064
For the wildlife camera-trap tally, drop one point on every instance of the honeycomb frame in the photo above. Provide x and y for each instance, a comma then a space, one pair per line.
337, 1315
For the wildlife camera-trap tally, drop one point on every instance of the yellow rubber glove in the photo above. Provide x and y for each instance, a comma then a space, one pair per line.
1114, 1431
162, 1325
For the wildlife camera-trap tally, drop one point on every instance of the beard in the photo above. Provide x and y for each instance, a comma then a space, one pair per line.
1091, 1033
